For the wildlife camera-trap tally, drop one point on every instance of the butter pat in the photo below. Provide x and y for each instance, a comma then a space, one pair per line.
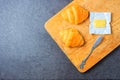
99, 23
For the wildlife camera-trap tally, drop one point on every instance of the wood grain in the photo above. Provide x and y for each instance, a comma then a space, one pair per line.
109, 43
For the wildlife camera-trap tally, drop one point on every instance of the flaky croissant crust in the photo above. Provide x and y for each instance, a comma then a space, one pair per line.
75, 14
71, 37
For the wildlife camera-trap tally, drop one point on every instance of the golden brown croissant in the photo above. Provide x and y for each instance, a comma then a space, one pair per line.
75, 14
71, 37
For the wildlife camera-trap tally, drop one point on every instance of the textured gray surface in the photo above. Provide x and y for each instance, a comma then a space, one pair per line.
28, 52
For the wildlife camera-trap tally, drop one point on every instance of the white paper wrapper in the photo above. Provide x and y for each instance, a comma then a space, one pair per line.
100, 15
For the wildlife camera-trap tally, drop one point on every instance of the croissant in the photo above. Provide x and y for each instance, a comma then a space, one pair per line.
71, 37
75, 14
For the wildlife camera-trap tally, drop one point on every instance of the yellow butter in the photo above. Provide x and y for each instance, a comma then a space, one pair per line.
99, 23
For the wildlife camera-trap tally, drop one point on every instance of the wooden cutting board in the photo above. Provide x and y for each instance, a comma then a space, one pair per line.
109, 43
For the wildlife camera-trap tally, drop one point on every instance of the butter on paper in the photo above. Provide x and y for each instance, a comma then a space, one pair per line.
100, 23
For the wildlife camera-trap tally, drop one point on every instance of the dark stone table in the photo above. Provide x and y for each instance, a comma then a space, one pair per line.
28, 52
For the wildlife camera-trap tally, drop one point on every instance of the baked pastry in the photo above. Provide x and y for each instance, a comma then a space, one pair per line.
75, 14
71, 37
